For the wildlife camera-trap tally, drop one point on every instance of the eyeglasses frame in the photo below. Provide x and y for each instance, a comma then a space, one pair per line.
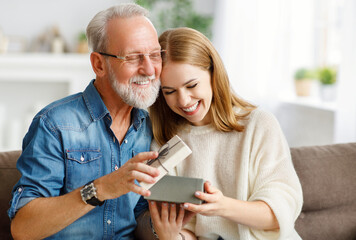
123, 58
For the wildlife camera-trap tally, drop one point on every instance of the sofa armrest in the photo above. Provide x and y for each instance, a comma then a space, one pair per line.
9, 175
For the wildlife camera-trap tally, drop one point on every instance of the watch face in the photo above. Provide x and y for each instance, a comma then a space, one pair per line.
88, 191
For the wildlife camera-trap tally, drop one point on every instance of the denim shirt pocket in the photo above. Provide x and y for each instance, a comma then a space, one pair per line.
82, 166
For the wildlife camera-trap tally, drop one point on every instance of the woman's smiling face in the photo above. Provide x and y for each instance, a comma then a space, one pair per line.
187, 91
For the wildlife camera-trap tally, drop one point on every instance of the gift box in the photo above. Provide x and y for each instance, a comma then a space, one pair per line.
177, 189
169, 156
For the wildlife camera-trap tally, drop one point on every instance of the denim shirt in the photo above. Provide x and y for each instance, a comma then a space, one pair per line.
70, 143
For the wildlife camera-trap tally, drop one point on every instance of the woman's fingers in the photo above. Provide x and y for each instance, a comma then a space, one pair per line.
167, 221
209, 188
181, 213
172, 212
213, 198
212, 193
164, 212
154, 211
195, 208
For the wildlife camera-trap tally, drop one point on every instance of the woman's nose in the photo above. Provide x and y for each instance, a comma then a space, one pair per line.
183, 99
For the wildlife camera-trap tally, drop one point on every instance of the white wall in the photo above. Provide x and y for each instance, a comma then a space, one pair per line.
28, 19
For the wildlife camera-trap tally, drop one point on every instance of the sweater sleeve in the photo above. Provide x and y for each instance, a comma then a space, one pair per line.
272, 177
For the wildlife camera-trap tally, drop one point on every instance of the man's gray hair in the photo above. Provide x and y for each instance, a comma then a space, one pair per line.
96, 30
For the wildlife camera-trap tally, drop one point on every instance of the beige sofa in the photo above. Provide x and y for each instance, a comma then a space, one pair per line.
327, 174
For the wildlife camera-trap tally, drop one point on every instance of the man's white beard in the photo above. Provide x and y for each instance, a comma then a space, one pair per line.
136, 97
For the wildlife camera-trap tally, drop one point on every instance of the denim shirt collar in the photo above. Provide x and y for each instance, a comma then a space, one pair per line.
138, 116
98, 109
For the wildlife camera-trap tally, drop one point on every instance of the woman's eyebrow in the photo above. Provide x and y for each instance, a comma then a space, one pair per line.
186, 83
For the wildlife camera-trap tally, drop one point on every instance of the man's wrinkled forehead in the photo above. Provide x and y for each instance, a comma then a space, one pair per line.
134, 34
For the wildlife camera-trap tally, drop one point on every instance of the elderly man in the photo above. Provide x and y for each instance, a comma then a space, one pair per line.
84, 154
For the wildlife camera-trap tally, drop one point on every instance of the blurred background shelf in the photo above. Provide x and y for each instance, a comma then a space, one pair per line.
30, 67
29, 81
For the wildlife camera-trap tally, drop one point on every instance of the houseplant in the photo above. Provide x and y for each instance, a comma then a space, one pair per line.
167, 14
327, 77
303, 78
82, 46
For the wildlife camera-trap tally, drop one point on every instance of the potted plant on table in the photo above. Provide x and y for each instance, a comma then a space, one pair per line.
82, 43
177, 13
327, 77
303, 79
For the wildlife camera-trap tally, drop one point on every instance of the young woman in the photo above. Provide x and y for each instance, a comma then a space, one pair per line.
252, 190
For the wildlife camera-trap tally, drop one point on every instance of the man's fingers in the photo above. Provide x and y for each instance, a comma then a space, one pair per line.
154, 172
139, 190
140, 176
144, 156
136, 163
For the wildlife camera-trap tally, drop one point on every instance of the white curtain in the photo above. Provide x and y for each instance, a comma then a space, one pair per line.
262, 43
345, 127
253, 38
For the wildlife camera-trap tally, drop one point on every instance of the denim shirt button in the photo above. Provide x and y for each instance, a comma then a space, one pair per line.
82, 158
116, 167
125, 141
108, 222
19, 190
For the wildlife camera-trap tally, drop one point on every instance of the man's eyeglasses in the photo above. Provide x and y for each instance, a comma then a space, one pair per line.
137, 58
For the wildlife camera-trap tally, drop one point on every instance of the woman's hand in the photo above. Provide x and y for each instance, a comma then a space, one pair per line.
214, 202
167, 222
254, 214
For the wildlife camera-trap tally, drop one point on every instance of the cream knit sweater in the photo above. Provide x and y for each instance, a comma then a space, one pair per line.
251, 165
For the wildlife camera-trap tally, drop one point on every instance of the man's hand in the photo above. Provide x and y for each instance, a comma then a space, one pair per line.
122, 181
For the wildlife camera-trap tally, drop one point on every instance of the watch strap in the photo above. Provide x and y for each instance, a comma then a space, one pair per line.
95, 201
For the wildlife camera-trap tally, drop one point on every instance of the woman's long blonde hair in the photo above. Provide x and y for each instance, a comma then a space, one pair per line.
186, 45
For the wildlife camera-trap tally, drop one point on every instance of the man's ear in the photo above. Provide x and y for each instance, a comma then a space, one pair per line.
98, 64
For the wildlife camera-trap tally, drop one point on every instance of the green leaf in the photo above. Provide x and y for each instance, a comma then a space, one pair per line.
327, 75
304, 73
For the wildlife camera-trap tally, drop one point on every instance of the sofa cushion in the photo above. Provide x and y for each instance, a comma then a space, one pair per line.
328, 177
9, 175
